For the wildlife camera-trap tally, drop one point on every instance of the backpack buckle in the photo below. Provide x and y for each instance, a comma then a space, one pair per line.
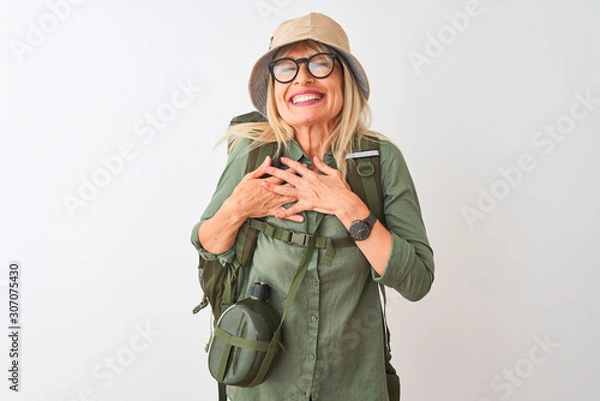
298, 239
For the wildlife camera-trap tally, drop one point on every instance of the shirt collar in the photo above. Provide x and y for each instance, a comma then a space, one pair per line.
296, 153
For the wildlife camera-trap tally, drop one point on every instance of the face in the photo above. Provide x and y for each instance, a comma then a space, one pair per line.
309, 101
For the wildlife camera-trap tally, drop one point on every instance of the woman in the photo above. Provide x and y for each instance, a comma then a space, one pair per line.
314, 93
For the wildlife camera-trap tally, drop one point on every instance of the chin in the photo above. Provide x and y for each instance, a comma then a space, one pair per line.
304, 117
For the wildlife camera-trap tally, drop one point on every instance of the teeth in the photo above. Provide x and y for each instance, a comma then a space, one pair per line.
305, 98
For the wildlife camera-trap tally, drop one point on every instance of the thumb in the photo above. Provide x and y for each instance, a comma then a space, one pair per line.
322, 166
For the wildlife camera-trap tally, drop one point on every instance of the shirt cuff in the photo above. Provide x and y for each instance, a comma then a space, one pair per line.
224, 258
394, 272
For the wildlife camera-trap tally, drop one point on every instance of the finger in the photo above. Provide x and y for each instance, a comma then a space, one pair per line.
284, 190
274, 180
284, 175
293, 210
323, 167
299, 168
298, 218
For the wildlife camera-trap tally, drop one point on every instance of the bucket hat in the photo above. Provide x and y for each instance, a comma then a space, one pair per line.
314, 26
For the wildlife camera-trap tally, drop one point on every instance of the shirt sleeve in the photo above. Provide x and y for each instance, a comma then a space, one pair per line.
234, 171
410, 268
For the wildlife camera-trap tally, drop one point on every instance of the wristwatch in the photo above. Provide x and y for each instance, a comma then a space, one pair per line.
360, 229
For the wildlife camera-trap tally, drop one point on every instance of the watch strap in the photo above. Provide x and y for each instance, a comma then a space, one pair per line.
371, 219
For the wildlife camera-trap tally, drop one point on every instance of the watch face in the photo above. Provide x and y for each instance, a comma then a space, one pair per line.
359, 230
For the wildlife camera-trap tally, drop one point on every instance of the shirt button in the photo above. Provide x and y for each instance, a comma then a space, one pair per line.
313, 318
311, 356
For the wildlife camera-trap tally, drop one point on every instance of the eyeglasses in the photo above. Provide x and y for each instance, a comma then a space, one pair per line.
319, 65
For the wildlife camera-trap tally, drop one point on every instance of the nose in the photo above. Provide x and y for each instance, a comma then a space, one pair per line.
303, 76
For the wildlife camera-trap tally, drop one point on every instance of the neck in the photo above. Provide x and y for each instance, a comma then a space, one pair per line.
314, 141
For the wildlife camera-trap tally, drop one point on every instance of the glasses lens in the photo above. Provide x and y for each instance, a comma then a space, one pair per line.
320, 65
284, 70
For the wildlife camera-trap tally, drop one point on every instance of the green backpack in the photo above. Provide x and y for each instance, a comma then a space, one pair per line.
219, 283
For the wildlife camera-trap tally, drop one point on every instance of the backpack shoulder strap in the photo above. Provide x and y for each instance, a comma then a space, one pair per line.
364, 174
257, 155
247, 236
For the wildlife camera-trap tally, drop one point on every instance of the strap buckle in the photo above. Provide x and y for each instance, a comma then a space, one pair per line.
297, 238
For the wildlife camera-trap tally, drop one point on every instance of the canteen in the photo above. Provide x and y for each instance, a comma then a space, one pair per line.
252, 319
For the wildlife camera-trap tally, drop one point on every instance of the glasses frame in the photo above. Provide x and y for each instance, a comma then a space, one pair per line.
306, 60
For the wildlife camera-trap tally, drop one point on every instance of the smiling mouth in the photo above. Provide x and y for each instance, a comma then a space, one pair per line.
306, 98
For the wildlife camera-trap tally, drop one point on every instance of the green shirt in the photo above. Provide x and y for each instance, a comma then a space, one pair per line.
333, 334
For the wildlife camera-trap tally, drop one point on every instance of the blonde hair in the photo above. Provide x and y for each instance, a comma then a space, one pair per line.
352, 121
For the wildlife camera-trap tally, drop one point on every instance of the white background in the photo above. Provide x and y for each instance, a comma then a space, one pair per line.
92, 280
